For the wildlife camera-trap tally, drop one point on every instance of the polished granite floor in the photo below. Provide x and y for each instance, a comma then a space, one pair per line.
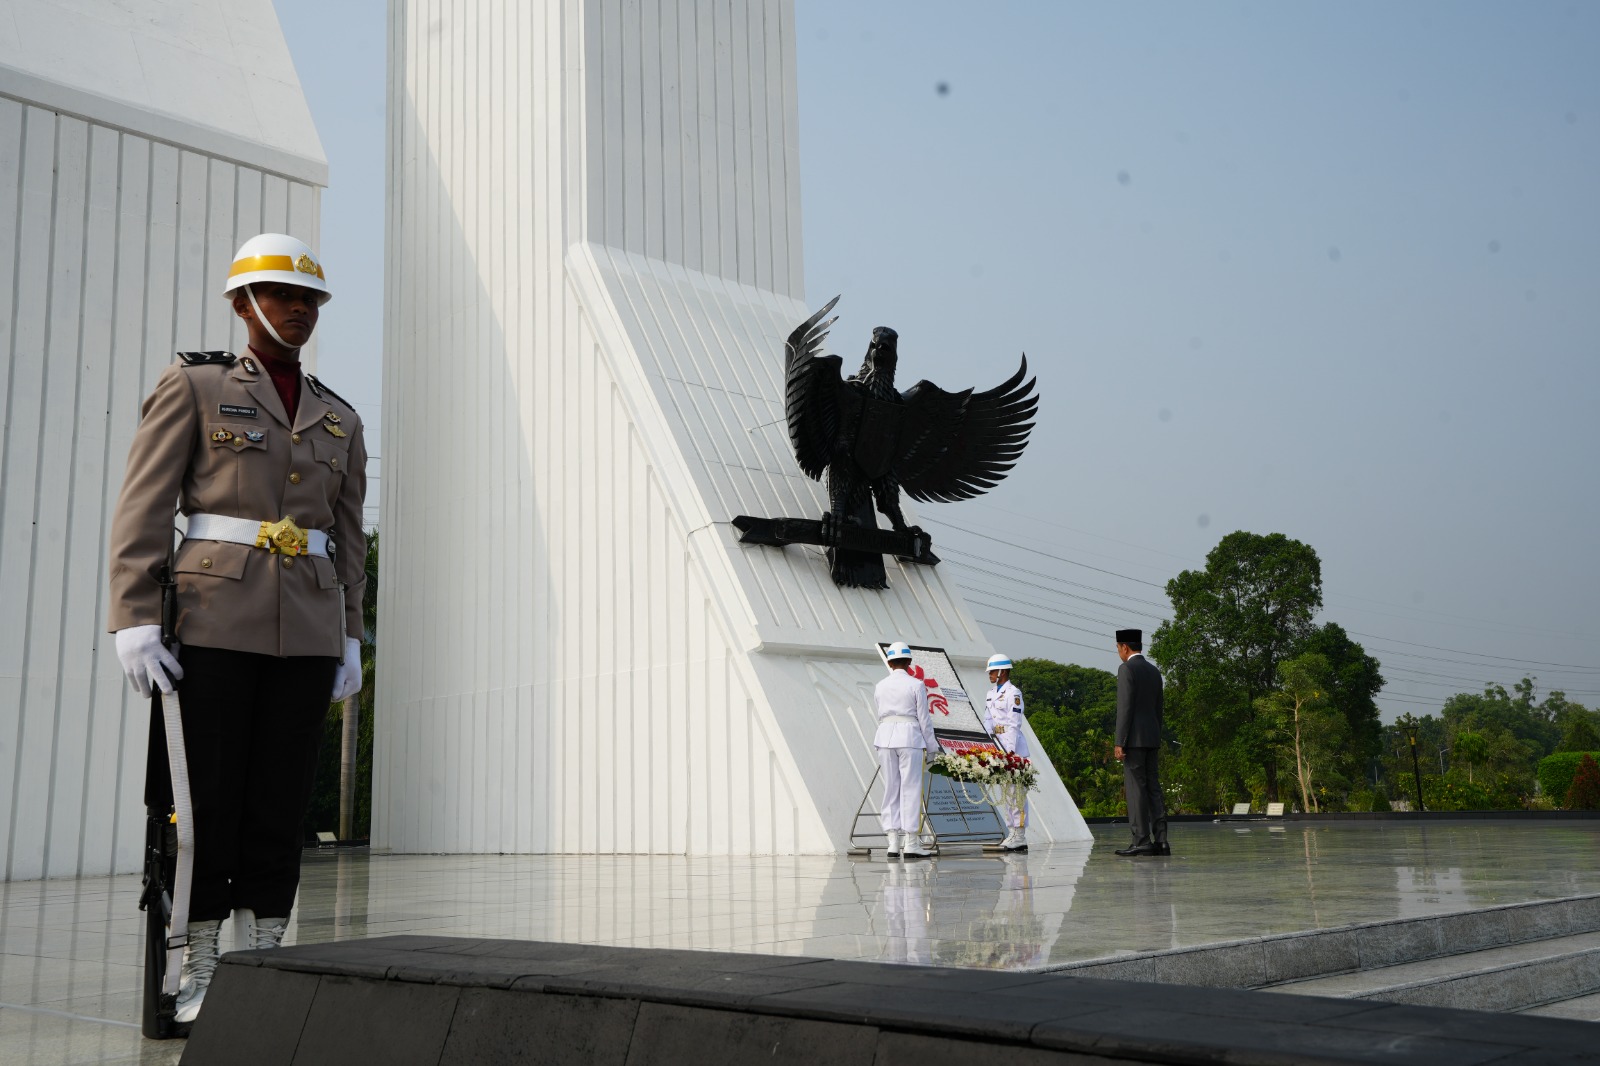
70, 949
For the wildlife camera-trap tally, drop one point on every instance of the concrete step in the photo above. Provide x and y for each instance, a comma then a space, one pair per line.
1259, 962
1511, 977
1579, 1008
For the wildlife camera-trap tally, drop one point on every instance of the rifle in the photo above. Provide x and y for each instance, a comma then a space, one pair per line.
160, 847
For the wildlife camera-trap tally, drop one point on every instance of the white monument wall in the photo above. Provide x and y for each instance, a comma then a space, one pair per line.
594, 239
139, 146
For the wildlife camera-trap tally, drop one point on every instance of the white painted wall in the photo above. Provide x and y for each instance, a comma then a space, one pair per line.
594, 233
124, 191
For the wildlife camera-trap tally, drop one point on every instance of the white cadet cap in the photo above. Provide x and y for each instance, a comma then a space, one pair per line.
999, 662
898, 650
277, 257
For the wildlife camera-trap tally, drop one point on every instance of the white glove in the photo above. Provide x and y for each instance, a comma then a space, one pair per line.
146, 660
347, 682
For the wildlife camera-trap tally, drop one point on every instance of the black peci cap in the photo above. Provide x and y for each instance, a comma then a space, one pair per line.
1130, 636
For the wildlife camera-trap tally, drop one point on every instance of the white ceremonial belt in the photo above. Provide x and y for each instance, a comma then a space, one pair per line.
898, 718
258, 534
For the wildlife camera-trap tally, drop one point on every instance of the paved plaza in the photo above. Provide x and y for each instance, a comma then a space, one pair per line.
70, 949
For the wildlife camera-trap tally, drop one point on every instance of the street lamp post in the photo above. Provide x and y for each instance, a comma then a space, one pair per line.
1416, 769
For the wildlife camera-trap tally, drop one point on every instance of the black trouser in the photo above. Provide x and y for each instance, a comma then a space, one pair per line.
1147, 808
252, 727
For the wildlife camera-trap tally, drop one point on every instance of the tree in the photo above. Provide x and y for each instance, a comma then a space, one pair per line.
1578, 729
1307, 725
1472, 749
1073, 712
1518, 729
1233, 624
1351, 685
1584, 795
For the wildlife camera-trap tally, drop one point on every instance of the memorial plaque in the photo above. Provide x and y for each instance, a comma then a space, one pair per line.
1274, 810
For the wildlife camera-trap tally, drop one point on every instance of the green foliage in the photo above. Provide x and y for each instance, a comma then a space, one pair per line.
1233, 623
1496, 711
1584, 795
1352, 683
1453, 792
322, 814
1472, 749
1073, 712
1579, 731
1306, 730
1556, 773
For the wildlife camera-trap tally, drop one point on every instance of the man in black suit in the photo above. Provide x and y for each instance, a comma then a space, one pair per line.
1138, 745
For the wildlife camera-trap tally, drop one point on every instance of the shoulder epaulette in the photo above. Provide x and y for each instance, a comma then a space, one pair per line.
207, 358
319, 388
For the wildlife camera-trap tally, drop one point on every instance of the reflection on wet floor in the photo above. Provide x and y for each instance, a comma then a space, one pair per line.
70, 949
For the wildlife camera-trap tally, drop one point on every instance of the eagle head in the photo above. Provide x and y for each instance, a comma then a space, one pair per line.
877, 369
882, 352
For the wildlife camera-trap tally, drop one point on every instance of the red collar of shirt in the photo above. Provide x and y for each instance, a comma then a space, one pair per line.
285, 374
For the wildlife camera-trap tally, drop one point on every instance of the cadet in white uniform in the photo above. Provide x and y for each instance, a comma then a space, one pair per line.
904, 741
1003, 712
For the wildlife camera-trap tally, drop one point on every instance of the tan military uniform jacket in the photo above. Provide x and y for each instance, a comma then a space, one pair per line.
215, 439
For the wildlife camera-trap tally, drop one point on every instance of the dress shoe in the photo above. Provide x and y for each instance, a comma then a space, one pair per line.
1135, 850
1165, 849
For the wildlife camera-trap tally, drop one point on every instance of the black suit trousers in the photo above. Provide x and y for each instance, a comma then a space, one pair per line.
1147, 807
252, 728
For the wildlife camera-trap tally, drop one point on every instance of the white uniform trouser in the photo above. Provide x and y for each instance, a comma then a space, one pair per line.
1015, 817
906, 910
902, 789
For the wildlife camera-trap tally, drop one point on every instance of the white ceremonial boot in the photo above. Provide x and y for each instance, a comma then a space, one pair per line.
912, 848
1017, 840
200, 960
893, 850
268, 932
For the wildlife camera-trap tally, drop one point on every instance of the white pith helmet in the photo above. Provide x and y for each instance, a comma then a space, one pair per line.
999, 662
898, 650
277, 257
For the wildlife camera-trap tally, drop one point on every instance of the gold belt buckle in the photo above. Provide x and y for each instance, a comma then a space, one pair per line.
283, 537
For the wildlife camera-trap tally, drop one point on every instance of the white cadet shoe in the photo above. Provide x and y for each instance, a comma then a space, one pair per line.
200, 960
913, 847
1016, 840
268, 932
893, 850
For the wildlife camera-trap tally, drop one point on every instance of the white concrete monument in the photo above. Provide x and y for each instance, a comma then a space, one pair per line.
141, 141
594, 259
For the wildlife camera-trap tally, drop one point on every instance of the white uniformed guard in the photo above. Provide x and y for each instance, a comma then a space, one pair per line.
1003, 713
903, 741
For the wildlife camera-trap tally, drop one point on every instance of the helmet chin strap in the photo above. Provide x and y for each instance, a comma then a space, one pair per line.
250, 291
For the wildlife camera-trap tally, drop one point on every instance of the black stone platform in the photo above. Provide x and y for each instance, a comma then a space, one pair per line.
439, 1000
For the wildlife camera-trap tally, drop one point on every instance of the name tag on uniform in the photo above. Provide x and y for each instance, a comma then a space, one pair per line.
235, 409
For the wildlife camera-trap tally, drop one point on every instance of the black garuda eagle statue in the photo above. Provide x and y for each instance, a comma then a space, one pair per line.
873, 441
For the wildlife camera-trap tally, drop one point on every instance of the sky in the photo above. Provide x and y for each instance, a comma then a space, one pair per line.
1327, 269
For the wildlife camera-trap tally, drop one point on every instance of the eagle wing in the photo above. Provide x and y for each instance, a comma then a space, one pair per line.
811, 393
956, 445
